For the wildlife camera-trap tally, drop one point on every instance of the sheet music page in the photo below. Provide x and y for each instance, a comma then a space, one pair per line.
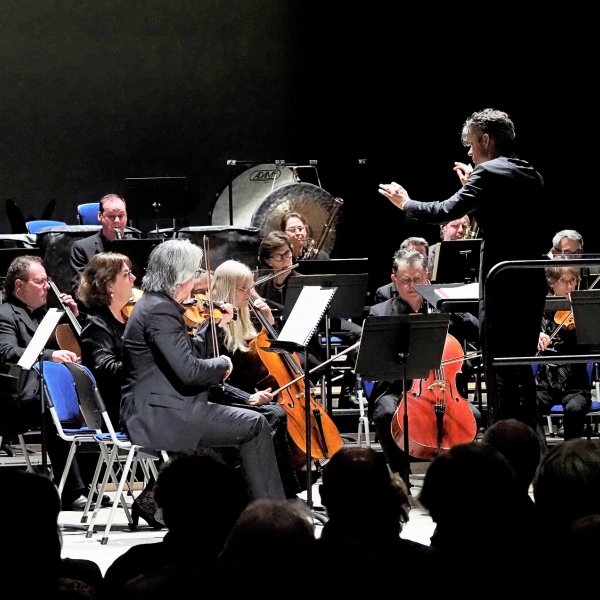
40, 338
306, 314
469, 291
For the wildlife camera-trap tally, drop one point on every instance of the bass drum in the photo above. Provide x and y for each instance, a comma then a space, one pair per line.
262, 194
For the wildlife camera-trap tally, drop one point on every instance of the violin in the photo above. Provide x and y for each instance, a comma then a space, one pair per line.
438, 416
197, 310
126, 311
565, 319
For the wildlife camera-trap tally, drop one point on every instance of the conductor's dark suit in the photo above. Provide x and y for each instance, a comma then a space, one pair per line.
503, 185
165, 400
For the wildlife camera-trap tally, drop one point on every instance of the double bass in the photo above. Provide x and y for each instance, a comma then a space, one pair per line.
438, 416
325, 439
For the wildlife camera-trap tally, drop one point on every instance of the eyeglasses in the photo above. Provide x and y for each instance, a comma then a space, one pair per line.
38, 281
404, 280
568, 281
298, 229
198, 273
280, 257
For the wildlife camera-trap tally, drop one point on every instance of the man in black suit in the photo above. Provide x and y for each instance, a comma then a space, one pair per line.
498, 179
25, 307
112, 216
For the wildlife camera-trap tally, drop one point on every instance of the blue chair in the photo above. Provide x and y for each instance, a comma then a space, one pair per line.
62, 402
92, 405
35, 226
593, 414
87, 214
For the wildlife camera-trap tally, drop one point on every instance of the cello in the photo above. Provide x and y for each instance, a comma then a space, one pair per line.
438, 416
325, 439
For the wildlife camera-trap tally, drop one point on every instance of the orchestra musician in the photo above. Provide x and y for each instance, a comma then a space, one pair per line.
498, 178
233, 282
452, 230
20, 315
112, 216
409, 267
296, 227
105, 289
566, 384
387, 291
167, 376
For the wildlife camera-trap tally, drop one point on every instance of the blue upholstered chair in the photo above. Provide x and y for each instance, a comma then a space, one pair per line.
35, 226
87, 214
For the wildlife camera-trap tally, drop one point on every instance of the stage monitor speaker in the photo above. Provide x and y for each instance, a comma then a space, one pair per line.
239, 243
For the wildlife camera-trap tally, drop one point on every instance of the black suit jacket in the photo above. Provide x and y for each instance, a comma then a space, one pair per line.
504, 185
81, 253
164, 377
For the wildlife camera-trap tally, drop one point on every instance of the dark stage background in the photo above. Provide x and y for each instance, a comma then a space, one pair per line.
96, 92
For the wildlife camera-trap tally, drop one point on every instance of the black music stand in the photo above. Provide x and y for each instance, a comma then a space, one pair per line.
456, 261
402, 347
348, 303
333, 265
151, 194
586, 311
137, 251
294, 337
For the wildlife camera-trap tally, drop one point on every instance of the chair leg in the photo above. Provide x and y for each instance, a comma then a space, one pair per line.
25, 450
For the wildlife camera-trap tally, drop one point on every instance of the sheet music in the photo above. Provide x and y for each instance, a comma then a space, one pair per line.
306, 314
469, 291
40, 338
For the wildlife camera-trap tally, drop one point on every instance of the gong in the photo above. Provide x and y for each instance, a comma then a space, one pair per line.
263, 194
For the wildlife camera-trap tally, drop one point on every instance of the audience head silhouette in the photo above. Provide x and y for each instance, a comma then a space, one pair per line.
519, 444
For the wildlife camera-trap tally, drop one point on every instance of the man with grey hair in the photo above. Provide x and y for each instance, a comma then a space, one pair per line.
566, 241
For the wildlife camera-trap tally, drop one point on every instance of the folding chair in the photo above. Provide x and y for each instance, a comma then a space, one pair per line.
93, 404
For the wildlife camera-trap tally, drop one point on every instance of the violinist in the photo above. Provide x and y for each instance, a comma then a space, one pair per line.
105, 289
566, 384
409, 267
296, 227
233, 283
27, 291
168, 374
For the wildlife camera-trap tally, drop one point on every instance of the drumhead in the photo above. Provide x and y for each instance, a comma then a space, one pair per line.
249, 189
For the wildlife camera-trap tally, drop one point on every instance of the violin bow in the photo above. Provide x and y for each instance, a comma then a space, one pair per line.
213, 325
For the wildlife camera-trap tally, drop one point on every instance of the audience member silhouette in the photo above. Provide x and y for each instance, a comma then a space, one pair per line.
366, 507
201, 497
472, 496
280, 530
32, 541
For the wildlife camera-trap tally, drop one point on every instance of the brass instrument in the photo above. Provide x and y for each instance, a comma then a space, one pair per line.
313, 248
472, 231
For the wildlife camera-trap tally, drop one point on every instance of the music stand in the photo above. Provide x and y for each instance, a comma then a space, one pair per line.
136, 250
145, 194
348, 303
294, 337
333, 265
402, 347
456, 261
586, 311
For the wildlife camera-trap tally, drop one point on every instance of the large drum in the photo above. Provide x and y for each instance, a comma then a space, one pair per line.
262, 194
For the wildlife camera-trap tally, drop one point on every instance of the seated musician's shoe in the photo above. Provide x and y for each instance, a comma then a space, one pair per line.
348, 400
105, 502
79, 503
